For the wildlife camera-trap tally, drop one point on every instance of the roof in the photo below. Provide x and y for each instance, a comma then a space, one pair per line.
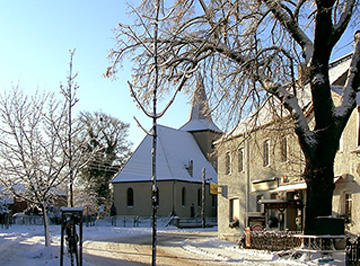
199, 119
271, 109
5, 197
175, 149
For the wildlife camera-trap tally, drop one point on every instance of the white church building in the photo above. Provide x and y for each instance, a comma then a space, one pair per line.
181, 155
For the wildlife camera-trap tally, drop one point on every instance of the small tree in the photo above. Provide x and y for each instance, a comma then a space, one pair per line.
73, 132
31, 156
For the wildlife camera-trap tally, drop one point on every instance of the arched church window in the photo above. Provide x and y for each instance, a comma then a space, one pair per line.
199, 197
130, 197
183, 195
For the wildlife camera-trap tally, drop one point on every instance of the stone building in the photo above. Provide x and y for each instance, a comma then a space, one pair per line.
260, 166
181, 155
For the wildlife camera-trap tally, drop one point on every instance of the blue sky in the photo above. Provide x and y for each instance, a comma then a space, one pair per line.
36, 36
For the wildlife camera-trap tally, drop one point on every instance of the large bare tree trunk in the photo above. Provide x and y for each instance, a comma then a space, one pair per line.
319, 192
319, 175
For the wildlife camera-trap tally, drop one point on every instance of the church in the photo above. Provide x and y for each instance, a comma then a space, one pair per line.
181, 155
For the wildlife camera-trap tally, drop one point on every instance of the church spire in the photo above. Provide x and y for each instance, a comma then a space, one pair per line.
199, 104
199, 120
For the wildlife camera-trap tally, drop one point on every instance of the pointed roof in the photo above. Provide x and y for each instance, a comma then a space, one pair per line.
198, 118
175, 149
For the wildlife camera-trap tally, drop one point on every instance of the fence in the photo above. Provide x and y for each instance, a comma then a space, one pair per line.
352, 251
27, 219
299, 243
271, 240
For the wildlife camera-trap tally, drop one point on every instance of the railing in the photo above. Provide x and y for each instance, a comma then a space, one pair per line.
352, 251
272, 240
286, 240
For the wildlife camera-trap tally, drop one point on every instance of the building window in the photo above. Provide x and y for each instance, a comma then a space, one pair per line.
183, 195
130, 197
259, 207
213, 200
241, 160
227, 163
266, 153
199, 197
234, 209
347, 207
340, 147
284, 149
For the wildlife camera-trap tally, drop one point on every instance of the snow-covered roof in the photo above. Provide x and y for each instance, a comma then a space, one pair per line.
175, 150
5, 197
199, 120
271, 109
200, 125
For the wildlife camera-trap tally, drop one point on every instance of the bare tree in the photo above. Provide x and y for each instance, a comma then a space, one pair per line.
75, 137
249, 52
31, 154
38, 149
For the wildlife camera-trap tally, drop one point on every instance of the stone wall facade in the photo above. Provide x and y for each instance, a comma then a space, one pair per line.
176, 197
279, 179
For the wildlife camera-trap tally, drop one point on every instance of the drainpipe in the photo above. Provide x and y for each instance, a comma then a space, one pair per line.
173, 197
247, 197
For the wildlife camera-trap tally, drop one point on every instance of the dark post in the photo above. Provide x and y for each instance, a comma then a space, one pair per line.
62, 245
203, 198
154, 136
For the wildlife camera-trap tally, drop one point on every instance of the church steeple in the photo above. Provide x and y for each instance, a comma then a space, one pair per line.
199, 104
199, 120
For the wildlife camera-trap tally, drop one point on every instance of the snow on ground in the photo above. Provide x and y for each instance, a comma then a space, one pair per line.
229, 252
24, 245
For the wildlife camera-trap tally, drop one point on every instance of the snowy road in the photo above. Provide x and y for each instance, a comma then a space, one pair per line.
174, 248
136, 250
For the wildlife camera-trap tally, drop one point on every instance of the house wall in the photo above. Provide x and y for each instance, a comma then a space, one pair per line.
19, 205
170, 199
236, 184
347, 164
231, 186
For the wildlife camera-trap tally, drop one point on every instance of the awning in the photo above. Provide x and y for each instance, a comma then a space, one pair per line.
258, 181
272, 201
295, 187
290, 188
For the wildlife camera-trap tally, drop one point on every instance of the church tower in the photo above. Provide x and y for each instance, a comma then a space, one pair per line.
200, 123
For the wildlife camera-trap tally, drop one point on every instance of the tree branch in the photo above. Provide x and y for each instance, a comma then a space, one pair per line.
292, 27
138, 101
343, 22
352, 85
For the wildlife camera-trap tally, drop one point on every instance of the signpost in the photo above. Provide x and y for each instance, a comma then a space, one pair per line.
71, 218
